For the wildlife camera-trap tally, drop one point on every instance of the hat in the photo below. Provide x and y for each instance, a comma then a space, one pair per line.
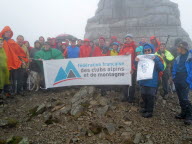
113, 37
64, 44
139, 49
86, 40
102, 38
129, 35
115, 43
149, 46
184, 45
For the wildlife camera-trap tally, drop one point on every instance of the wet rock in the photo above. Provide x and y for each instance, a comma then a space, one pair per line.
102, 111
24, 141
110, 128
103, 101
14, 140
50, 119
137, 139
77, 111
95, 128
8, 123
65, 110
41, 109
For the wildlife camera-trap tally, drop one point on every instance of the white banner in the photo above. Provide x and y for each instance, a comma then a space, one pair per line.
112, 70
145, 67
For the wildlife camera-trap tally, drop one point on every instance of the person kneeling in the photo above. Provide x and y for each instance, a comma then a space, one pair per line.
149, 86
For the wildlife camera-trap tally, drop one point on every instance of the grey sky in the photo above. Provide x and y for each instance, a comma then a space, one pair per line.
49, 18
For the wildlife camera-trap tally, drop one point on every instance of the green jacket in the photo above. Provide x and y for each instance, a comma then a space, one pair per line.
168, 57
47, 55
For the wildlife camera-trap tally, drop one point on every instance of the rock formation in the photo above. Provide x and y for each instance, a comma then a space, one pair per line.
141, 18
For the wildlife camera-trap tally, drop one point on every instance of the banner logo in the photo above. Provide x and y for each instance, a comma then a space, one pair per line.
70, 73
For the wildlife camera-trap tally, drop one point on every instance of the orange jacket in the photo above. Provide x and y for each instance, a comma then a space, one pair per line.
15, 54
98, 52
85, 51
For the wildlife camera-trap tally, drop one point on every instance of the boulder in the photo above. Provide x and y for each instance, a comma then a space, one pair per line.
141, 18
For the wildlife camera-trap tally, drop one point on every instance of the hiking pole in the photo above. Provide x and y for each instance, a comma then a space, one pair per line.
167, 40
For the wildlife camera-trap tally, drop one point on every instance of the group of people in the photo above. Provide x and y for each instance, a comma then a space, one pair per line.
16, 58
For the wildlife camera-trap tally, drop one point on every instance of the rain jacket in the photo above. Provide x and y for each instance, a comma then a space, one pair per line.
98, 51
129, 48
158, 43
114, 53
14, 52
25, 49
85, 51
72, 52
168, 57
4, 72
188, 65
47, 55
159, 67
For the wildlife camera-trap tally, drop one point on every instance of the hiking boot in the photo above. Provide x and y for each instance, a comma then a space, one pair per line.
147, 115
180, 116
188, 122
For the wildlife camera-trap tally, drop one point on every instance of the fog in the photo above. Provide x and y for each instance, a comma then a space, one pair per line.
48, 18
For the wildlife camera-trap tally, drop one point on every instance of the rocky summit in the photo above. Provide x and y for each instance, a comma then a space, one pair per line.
141, 18
80, 115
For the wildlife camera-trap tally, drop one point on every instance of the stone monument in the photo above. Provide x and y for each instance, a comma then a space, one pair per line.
141, 18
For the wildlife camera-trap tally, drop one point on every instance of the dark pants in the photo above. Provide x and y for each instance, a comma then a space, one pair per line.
182, 89
129, 91
148, 96
17, 78
165, 79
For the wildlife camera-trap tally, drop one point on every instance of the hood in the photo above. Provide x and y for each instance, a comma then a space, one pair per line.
149, 46
5, 29
139, 49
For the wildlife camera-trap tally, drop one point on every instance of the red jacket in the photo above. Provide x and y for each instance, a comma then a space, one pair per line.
129, 48
157, 41
99, 52
85, 51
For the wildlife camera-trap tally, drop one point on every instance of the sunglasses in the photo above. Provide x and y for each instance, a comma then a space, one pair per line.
147, 50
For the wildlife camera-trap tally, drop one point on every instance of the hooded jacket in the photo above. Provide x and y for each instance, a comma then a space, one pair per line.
188, 65
14, 52
129, 48
4, 72
157, 41
159, 67
99, 52
85, 51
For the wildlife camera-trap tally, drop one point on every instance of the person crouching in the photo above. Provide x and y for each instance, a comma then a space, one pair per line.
149, 87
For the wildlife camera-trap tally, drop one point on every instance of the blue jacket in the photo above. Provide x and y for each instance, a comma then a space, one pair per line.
73, 52
157, 68
188, 65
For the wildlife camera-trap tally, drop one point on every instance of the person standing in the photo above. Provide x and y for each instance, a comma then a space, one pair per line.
4, 72
149, 87
85, 49
16, 58
155, 42
72, 50
101, 49
182, 78
167, 58
129, 49
22, 72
